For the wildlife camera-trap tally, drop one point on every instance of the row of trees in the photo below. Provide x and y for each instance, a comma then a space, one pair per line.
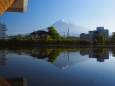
100, 39
53, 37
52, 34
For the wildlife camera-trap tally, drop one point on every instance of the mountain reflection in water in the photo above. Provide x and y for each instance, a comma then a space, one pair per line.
71, 67
61, 58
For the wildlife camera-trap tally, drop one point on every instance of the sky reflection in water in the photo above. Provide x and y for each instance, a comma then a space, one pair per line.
85, 67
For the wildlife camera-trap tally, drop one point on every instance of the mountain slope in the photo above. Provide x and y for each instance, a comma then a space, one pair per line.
74, 30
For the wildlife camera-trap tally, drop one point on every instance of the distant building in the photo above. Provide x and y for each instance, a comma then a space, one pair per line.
84, 36
3, 58
93, 53
100, 30
100, 54
3, 30
40, 34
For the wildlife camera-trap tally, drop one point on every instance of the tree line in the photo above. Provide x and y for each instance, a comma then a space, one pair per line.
53, 38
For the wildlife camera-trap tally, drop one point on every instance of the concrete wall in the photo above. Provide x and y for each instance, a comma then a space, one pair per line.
91, 36
84, 36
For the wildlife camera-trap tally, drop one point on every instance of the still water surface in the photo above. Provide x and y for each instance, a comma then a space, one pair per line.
40, 67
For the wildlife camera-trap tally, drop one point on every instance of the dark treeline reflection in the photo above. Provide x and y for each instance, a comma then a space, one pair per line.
32, 66
99, 53
46, 53
51, 54
113, 52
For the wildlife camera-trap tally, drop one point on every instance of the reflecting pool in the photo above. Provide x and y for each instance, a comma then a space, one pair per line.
58, 67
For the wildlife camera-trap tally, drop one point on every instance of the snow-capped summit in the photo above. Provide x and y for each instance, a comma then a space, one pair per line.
62, 27
63, 21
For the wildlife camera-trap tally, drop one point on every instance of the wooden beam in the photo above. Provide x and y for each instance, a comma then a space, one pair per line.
5, 4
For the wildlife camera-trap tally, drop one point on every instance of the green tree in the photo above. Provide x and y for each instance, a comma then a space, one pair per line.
19, 36
113, 37
98, 52
20, 52
48, 37
99, 39
54, 55
113, 52
108, 41
53, 33
95, 41
28, 37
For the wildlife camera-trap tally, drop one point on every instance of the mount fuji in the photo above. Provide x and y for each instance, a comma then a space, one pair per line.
62, 27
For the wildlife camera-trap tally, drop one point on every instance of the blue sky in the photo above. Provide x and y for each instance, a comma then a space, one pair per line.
43, 13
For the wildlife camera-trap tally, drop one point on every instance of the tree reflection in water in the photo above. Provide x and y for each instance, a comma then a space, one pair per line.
52, 54
113, 52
